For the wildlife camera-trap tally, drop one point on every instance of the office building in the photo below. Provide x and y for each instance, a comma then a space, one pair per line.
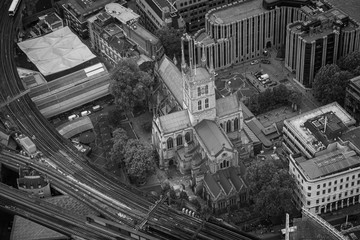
324, 158
157, 14
317, 42
116, 33
352, 99
241, 31
77, 12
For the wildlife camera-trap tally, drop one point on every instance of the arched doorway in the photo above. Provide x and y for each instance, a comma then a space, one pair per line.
268, 44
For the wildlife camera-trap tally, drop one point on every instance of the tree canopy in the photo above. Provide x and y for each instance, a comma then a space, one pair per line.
271, 188
170, 38
350, 62
330, 84
120, 139
272, 98
129, 85
138, 159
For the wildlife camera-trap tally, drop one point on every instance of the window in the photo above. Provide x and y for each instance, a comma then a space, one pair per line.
206, 89
317, 201
199, 91
334, 188
329, 184
309, 194
318, 186
309, 188
228, 126
352, 184
179, 140
308, 202
346, 185
335, 182
324, 185
341, 180
206, 102
329, 190
340, 187
199, 105
187, 137
324, 191
317, 193
236, 127
170, 143
323, 199
347, 178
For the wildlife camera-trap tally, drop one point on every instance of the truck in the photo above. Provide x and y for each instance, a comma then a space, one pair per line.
27, 144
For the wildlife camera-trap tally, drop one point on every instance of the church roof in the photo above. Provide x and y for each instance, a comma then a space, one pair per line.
227, 105
174, 121
201, 74
224, 181
211, 135
172, 78
246, 111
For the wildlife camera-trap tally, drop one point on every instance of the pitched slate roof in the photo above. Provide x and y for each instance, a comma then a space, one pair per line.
212, 136
172, 78
227, 105
224, 181
174, 121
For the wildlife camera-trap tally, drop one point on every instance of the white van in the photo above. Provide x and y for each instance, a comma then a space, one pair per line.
72, 117
85, 113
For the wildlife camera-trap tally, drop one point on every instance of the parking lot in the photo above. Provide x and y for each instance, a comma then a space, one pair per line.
276, 72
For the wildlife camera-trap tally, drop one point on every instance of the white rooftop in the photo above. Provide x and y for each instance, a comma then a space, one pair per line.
296, 123
56, 51
123, 14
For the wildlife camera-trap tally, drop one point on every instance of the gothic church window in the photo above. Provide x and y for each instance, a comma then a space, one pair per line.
179, 140
187, 137
206, 103
236, 124
228, 126
170, 143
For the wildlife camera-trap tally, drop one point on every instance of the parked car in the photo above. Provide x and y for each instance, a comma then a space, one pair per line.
73, 117
265, 61
85, 113
96, 108
254, 62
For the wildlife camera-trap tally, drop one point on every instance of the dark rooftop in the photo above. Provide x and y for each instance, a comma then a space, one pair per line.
352, 136
350, 7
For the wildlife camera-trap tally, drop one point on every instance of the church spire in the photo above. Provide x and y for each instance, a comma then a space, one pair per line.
211, 67
203, 58
183, 63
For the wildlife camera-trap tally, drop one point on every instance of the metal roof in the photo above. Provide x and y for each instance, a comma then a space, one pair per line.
227, 105
172, 78
212, 136
329, 163
175, 121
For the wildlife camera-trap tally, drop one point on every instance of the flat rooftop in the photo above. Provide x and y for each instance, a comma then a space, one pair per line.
230, 13
123, 14
329, 163
356, 81
350, 7
296, 124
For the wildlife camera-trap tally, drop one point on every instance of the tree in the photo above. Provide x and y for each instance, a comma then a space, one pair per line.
183, 195
271, 188
330, 84
350, 62
170, 38
147, 67
115, 116
120, 139
129, 85
138, 159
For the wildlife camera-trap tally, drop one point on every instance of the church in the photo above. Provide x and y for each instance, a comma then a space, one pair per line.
198, 133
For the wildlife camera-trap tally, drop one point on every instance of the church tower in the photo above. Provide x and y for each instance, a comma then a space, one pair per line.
199, 86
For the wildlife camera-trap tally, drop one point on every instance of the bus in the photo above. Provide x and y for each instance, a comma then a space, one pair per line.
13, 7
